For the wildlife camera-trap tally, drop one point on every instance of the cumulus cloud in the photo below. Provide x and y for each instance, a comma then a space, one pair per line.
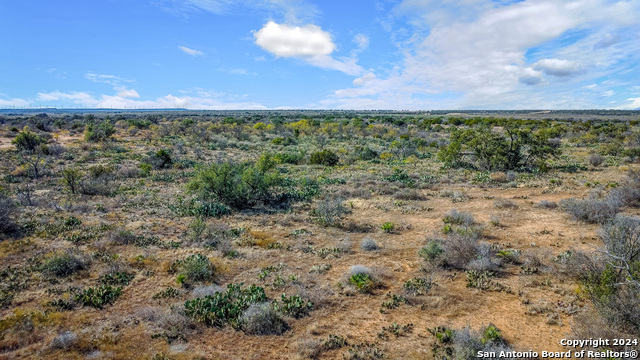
127, 93
309, 43
633, 105
530, 76
364, 79
190, 51
483, 53
287, 41
557, 67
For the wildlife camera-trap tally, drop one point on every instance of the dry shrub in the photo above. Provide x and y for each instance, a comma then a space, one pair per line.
505, 204
499, 177
261, 319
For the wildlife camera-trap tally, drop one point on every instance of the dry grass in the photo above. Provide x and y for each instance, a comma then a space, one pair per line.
315, 257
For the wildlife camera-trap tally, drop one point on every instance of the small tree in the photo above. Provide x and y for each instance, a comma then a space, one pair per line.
488, 150
35, 161
28, 141
71, 178
325, 157
100, 132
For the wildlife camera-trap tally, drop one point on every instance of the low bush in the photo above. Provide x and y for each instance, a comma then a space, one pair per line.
591, 210
455, 217
293, 306
98, 296
62, 264
28, 141
417, 286
262, 319
466, 343
224, 307
505, 204
161, 159
368, 244
362, 279
596, 160
325, 157
239, 185
546, 204
100, 132
195, 268
329, 212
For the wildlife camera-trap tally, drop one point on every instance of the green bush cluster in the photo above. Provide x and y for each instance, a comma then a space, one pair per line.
99, 296
485, 149
224, 307
195, 268
325, 157
293, 306
100, 132
238, 185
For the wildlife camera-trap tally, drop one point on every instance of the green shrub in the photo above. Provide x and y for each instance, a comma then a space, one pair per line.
28, 141
417, 286
293, 306
482, 148
293, 158
100, 132
400, 176
363, 281
99, 296
325, 157
161, 159
195, 268
122, 278
238, 186
224, 307
71, 178
62, 264
432, 252
388, 227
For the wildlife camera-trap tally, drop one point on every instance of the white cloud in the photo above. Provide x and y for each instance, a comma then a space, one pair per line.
483, 53
530, 76
104, 78
557, 67
190, 51
76, 97
15, 102
127, 93
362, 41
309, 43
364, 79
634, 104
123, 100
291, 41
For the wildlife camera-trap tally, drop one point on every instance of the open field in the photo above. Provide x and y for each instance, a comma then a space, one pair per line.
368, 235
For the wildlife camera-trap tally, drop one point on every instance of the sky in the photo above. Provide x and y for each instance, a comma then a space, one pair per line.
309, 54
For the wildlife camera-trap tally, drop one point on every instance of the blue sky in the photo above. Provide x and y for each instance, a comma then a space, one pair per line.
279, 54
